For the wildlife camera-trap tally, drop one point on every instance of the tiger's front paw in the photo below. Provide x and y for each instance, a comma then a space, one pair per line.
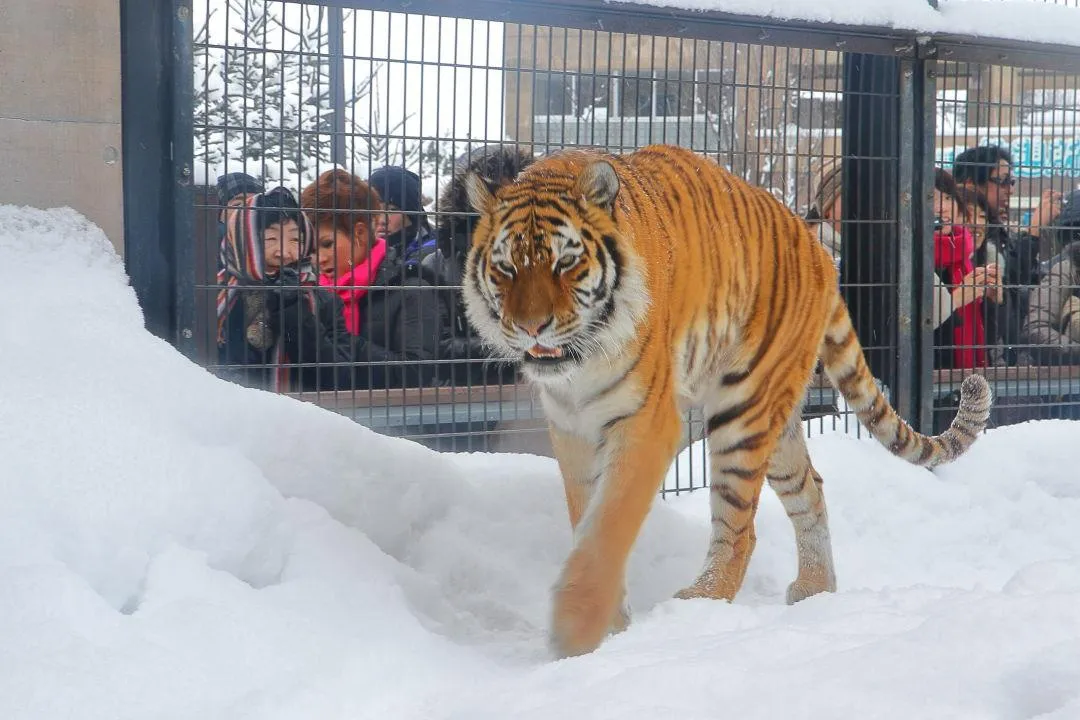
623, 616
587, 606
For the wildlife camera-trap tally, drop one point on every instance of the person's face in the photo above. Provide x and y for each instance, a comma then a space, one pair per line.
945, 208
976, 219
281, 246
390, 222
835, 213
338, 251
999, 187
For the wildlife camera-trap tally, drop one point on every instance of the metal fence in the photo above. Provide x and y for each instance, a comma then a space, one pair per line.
847, 127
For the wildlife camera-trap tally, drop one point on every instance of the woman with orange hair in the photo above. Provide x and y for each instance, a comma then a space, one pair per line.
393, 313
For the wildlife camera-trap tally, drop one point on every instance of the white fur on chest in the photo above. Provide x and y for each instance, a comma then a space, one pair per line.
584, 404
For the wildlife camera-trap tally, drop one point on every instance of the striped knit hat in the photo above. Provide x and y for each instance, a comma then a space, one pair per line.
828, 187
242, 262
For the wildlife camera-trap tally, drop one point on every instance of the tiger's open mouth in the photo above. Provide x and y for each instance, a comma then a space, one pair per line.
542, 354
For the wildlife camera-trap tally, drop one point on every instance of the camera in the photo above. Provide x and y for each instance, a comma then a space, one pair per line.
288, 277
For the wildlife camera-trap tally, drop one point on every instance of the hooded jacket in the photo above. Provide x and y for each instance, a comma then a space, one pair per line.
1049, 326
500, 164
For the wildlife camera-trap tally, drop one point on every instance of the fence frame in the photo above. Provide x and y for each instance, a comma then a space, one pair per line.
157, 88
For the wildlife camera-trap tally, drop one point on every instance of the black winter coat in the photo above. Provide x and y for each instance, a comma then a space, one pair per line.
403, 324
311, 326
1004, 321
473, 364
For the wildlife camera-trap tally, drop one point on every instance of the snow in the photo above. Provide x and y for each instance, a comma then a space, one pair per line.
1025, 20
173, 546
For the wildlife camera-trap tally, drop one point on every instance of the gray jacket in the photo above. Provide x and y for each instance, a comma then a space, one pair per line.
1044, 328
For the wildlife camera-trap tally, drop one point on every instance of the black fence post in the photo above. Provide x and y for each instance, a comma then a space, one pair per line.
146, 114
908, 296
869, 251
925, 110
156, 109
915, 370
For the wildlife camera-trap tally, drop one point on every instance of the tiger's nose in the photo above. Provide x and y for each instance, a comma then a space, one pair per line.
533, 328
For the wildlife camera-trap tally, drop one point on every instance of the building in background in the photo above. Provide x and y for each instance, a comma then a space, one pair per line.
770, 114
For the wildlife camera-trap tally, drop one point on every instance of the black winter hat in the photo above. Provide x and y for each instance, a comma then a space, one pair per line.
275, 206
232, 184
398, 187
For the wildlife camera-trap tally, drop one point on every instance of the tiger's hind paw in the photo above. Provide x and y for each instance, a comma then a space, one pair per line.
802, 589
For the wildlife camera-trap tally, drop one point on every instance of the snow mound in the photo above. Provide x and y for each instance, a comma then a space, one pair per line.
175, 546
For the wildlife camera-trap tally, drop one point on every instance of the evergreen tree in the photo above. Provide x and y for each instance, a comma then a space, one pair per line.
263, 100
306, 145
208, 100
238, 92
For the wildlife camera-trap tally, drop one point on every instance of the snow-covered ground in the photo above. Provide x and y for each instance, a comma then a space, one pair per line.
172, 546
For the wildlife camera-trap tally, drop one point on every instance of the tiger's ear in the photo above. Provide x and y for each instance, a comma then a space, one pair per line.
480, 191
599, 184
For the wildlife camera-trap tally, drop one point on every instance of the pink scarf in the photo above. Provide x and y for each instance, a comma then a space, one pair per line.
353, 285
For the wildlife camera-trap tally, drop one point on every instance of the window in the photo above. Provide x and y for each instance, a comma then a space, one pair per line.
951, 111
553, 93
714, 92
659, 94
675, 94
635, 96
818, 109
592, 96
570, 95
1051, 106
671, 94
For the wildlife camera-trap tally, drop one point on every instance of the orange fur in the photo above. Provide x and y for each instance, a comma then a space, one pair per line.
635, 286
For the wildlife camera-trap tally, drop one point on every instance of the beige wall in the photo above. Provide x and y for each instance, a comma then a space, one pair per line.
60, 107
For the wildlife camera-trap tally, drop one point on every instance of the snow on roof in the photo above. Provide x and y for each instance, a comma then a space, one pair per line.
1023, 20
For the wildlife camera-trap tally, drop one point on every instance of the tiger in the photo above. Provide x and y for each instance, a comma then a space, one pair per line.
633, 287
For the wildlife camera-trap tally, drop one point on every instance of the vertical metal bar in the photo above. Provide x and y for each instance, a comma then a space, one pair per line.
183, 150
907, 284
923, 241
913, 396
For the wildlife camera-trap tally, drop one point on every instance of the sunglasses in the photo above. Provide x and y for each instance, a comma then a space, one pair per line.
1007, 180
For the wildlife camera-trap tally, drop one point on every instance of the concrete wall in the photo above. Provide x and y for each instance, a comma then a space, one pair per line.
60, 108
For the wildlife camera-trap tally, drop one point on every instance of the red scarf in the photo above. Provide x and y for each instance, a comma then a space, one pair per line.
353, 285
953, 253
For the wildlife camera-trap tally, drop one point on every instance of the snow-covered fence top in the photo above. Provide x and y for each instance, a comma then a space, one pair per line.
1024, 21
1004, 30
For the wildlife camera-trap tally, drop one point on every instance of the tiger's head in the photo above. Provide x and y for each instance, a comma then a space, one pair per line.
550, 279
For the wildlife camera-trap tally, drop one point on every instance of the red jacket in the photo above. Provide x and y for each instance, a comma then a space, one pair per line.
953, 253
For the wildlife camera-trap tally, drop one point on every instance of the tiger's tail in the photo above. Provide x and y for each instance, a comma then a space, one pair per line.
846, 368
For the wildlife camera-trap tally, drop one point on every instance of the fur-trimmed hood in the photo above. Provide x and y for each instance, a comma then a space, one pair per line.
498, 162
1072, 251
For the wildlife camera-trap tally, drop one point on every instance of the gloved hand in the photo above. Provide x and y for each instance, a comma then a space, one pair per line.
289, 309
1070, 319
